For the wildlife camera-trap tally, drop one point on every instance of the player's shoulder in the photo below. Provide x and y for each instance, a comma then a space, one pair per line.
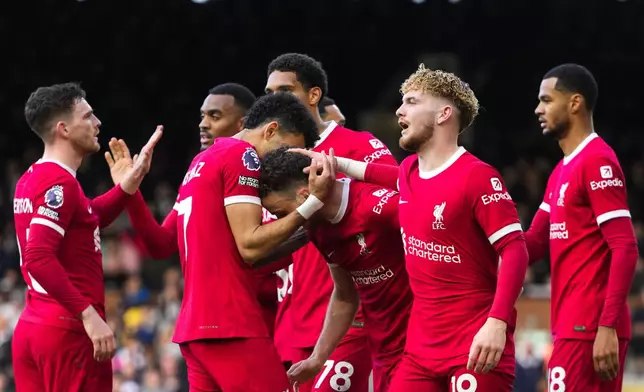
598, 149
476, 167
44, 174
408, 163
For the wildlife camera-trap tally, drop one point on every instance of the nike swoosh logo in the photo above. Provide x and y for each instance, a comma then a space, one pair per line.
402, 202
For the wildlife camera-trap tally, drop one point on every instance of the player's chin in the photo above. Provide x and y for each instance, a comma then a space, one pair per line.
407, 143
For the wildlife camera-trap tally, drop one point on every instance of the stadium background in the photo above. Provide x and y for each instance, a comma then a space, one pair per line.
149, 62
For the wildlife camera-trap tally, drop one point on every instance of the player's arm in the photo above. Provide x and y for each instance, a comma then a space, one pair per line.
374, 173
537, 237
109, 205
159, 240
340, 314
278, 258
605, 186
244, 211
496, 214
46, 231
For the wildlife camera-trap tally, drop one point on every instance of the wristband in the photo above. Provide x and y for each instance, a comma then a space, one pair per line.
310, 206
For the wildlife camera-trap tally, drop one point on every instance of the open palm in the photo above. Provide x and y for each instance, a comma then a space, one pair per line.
118, 159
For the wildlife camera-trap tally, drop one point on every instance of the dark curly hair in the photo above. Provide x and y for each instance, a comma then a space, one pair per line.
308, 71
288, 111
244, 98
47, 104
282, 170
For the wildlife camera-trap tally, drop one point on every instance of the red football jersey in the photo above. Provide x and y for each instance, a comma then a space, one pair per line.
53, 216
220, 297
586, 189
312, 284
450, 218
364, 239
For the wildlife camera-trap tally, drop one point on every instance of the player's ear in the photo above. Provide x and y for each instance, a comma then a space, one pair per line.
270, 129
301, 194
575, 103
61, 129
315, 93
444, 114
240, 123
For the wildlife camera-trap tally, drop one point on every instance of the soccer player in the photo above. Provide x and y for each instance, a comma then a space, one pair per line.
223, 112
219, 230
61, 342
222, 115
465, 252
311, 282
331, 112
354, 231
585, 221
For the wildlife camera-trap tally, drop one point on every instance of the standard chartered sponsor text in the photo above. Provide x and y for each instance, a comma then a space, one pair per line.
372, 276
432, 251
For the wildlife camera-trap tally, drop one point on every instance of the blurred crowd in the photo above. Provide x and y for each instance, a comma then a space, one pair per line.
143, 295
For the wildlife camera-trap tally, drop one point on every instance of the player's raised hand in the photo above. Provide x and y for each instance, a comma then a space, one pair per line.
141, 163
118, 159
321, 182
100, 334
487, 346
143, 160
305, 370
606, 353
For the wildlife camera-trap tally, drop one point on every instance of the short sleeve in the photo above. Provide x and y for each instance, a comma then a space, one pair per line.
241, 175
605, 186
380, 206
494, 209
55, 204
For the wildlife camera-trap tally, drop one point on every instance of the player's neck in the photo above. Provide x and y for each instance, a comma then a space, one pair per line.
63, 153
436, 151
333, 203
322, 126
575, 136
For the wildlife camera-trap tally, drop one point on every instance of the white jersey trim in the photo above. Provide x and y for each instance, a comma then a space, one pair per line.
426, 175
344, 203
504, 231
612, 215
242, 199
45, 222
545, 206
579, 148
59, 163
326, 133
175, 207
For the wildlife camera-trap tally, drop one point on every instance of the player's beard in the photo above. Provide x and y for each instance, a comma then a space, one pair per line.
559, 130
413, 139
86, 145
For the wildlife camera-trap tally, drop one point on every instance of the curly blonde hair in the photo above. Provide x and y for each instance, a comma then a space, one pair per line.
445, 85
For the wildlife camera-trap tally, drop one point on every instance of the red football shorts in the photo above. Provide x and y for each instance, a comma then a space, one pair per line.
571, 368
50, 359
383, 373
347, 369
445, 376
249, 365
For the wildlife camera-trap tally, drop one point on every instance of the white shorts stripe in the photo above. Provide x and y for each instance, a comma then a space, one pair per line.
242, 199
545, 206
504, 231
48, 223
612, 215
